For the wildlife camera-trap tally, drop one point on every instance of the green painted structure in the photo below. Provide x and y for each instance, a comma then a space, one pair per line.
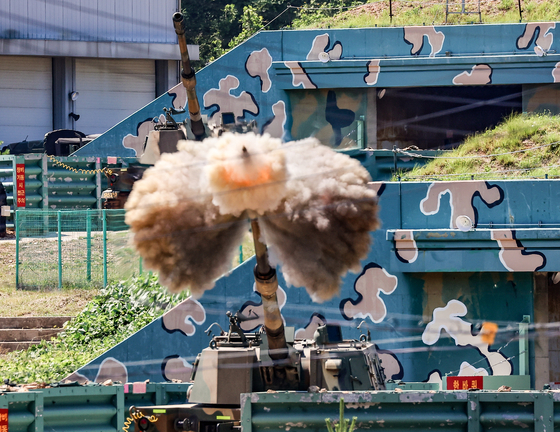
61, 183
404, 410
427, 86
426, 287
87, 408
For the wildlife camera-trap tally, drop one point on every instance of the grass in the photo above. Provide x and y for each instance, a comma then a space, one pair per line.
39, 265
535, 139
47, 302
115, 313
376, 13
247, 250
81, 268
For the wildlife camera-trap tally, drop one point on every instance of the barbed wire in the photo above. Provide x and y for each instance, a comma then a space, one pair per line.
104, 170
480, 174
421, 156
491, 365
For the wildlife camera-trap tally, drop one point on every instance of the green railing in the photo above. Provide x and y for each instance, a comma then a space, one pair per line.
74, 249
87, 408
458, 411
99, 408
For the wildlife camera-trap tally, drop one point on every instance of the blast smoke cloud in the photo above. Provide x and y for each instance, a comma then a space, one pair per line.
177, 229
321, 229
246, 172
191, 210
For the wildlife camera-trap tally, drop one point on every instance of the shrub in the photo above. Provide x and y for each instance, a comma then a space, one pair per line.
120, 310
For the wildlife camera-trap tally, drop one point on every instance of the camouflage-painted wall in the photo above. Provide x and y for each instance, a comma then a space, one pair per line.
424, 289
256, 80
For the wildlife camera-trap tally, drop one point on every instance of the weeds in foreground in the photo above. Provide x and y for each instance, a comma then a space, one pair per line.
117, 312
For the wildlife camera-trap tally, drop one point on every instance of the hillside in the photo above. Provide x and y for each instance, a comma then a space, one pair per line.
523, 146
376, 13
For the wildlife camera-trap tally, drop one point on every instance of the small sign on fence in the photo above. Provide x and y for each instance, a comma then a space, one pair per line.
464, 382
4, 420
20, 185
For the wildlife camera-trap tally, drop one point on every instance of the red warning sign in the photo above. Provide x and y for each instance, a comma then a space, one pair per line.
20, 189
464, 382
4, 420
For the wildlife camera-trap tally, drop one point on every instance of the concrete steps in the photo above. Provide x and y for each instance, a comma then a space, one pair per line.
22, 332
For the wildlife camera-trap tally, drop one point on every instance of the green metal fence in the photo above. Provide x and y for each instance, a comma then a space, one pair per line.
106, 409
74, 249
88, 408
459, 411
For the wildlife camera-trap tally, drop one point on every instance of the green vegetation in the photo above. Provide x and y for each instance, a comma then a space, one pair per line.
376, 13
343, 425
39, 258
222, 24
523, 146
117, 312
16, 303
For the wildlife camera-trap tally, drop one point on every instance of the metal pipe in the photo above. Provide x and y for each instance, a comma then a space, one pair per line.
188, 79
59, 226
261, 252
104, 213
16, 223
88, 245
267, 285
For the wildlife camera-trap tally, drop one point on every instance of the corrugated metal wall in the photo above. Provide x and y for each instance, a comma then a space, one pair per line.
88, 20
110, 90
25, 98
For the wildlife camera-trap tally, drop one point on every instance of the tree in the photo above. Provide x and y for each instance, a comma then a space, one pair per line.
220, 25
251, 23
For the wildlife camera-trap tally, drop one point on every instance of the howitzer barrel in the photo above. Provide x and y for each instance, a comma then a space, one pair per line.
267, 285
188, 78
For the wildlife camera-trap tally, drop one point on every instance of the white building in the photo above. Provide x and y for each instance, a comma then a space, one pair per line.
114, 56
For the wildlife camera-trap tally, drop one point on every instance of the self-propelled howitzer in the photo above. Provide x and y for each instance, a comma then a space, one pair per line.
238, 362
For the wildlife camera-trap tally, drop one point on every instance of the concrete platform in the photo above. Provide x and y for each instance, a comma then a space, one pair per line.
17, 333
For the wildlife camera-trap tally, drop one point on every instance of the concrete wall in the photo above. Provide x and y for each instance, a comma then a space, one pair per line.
277, 78
424, 290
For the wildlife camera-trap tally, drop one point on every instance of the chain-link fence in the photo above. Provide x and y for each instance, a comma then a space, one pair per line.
75, 249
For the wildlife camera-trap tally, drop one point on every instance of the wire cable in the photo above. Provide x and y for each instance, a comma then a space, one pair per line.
420, 156
479, 174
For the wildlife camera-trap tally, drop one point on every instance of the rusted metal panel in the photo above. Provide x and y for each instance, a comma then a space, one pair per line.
470, 411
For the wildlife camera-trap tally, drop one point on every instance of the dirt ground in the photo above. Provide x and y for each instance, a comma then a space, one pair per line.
14, 302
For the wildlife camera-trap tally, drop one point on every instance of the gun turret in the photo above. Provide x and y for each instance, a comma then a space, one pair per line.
189, 79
